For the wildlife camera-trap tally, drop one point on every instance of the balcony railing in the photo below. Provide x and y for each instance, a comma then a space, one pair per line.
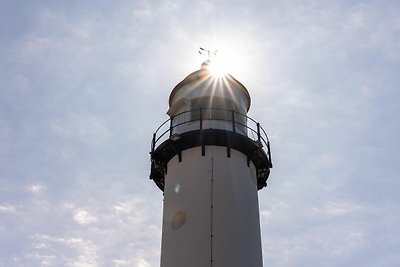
195, 119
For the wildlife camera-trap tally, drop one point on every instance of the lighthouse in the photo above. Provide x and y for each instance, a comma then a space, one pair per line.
210, 159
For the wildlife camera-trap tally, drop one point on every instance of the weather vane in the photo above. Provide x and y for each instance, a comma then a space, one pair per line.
207, 52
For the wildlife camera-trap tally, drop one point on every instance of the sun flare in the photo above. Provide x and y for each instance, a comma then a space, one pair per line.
222, 62
218, 68
229, 54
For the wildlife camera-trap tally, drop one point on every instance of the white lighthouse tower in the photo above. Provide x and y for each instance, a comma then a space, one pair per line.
210, 159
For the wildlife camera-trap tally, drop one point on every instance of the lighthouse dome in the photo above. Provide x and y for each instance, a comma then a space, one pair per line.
203, 84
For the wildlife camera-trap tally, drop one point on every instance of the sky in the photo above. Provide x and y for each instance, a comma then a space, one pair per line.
84, 84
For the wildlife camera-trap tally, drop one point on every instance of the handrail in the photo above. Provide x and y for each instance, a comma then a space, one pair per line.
262, 136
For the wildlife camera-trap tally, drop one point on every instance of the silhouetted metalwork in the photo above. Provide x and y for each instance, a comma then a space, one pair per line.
251, 140
209, 53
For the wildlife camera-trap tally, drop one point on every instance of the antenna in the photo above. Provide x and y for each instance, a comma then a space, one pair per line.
209, 53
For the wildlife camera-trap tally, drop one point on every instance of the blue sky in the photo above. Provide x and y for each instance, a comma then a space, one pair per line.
83, 85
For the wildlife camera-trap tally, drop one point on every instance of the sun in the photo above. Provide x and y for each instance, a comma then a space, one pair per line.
216, 64
223, 62
228, 56
218, 68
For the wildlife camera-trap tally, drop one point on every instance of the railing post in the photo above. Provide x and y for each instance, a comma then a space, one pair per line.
153, 143
258, 131
170, 126
269, 155
201, 118
233, 121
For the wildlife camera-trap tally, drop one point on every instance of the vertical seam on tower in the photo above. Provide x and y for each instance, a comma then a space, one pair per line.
212, 199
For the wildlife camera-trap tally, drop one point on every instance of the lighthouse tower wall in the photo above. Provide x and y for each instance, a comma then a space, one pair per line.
211, 215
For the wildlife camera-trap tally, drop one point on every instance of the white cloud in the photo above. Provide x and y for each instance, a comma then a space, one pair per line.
132, 212
138, 260
84, 217
62, 251
341, 208
68, 206
36, 188
85, 127
118, 262
327, 243
142, 263
265, 214
7, 208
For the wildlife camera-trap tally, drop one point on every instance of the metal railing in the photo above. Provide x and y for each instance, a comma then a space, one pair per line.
235, 119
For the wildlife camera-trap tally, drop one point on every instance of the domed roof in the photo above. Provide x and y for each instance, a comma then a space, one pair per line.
204, 74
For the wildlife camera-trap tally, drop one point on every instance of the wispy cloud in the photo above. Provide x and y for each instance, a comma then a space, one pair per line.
67, 251
84, 127
7, 208
341, 208
36, 188
84, 217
